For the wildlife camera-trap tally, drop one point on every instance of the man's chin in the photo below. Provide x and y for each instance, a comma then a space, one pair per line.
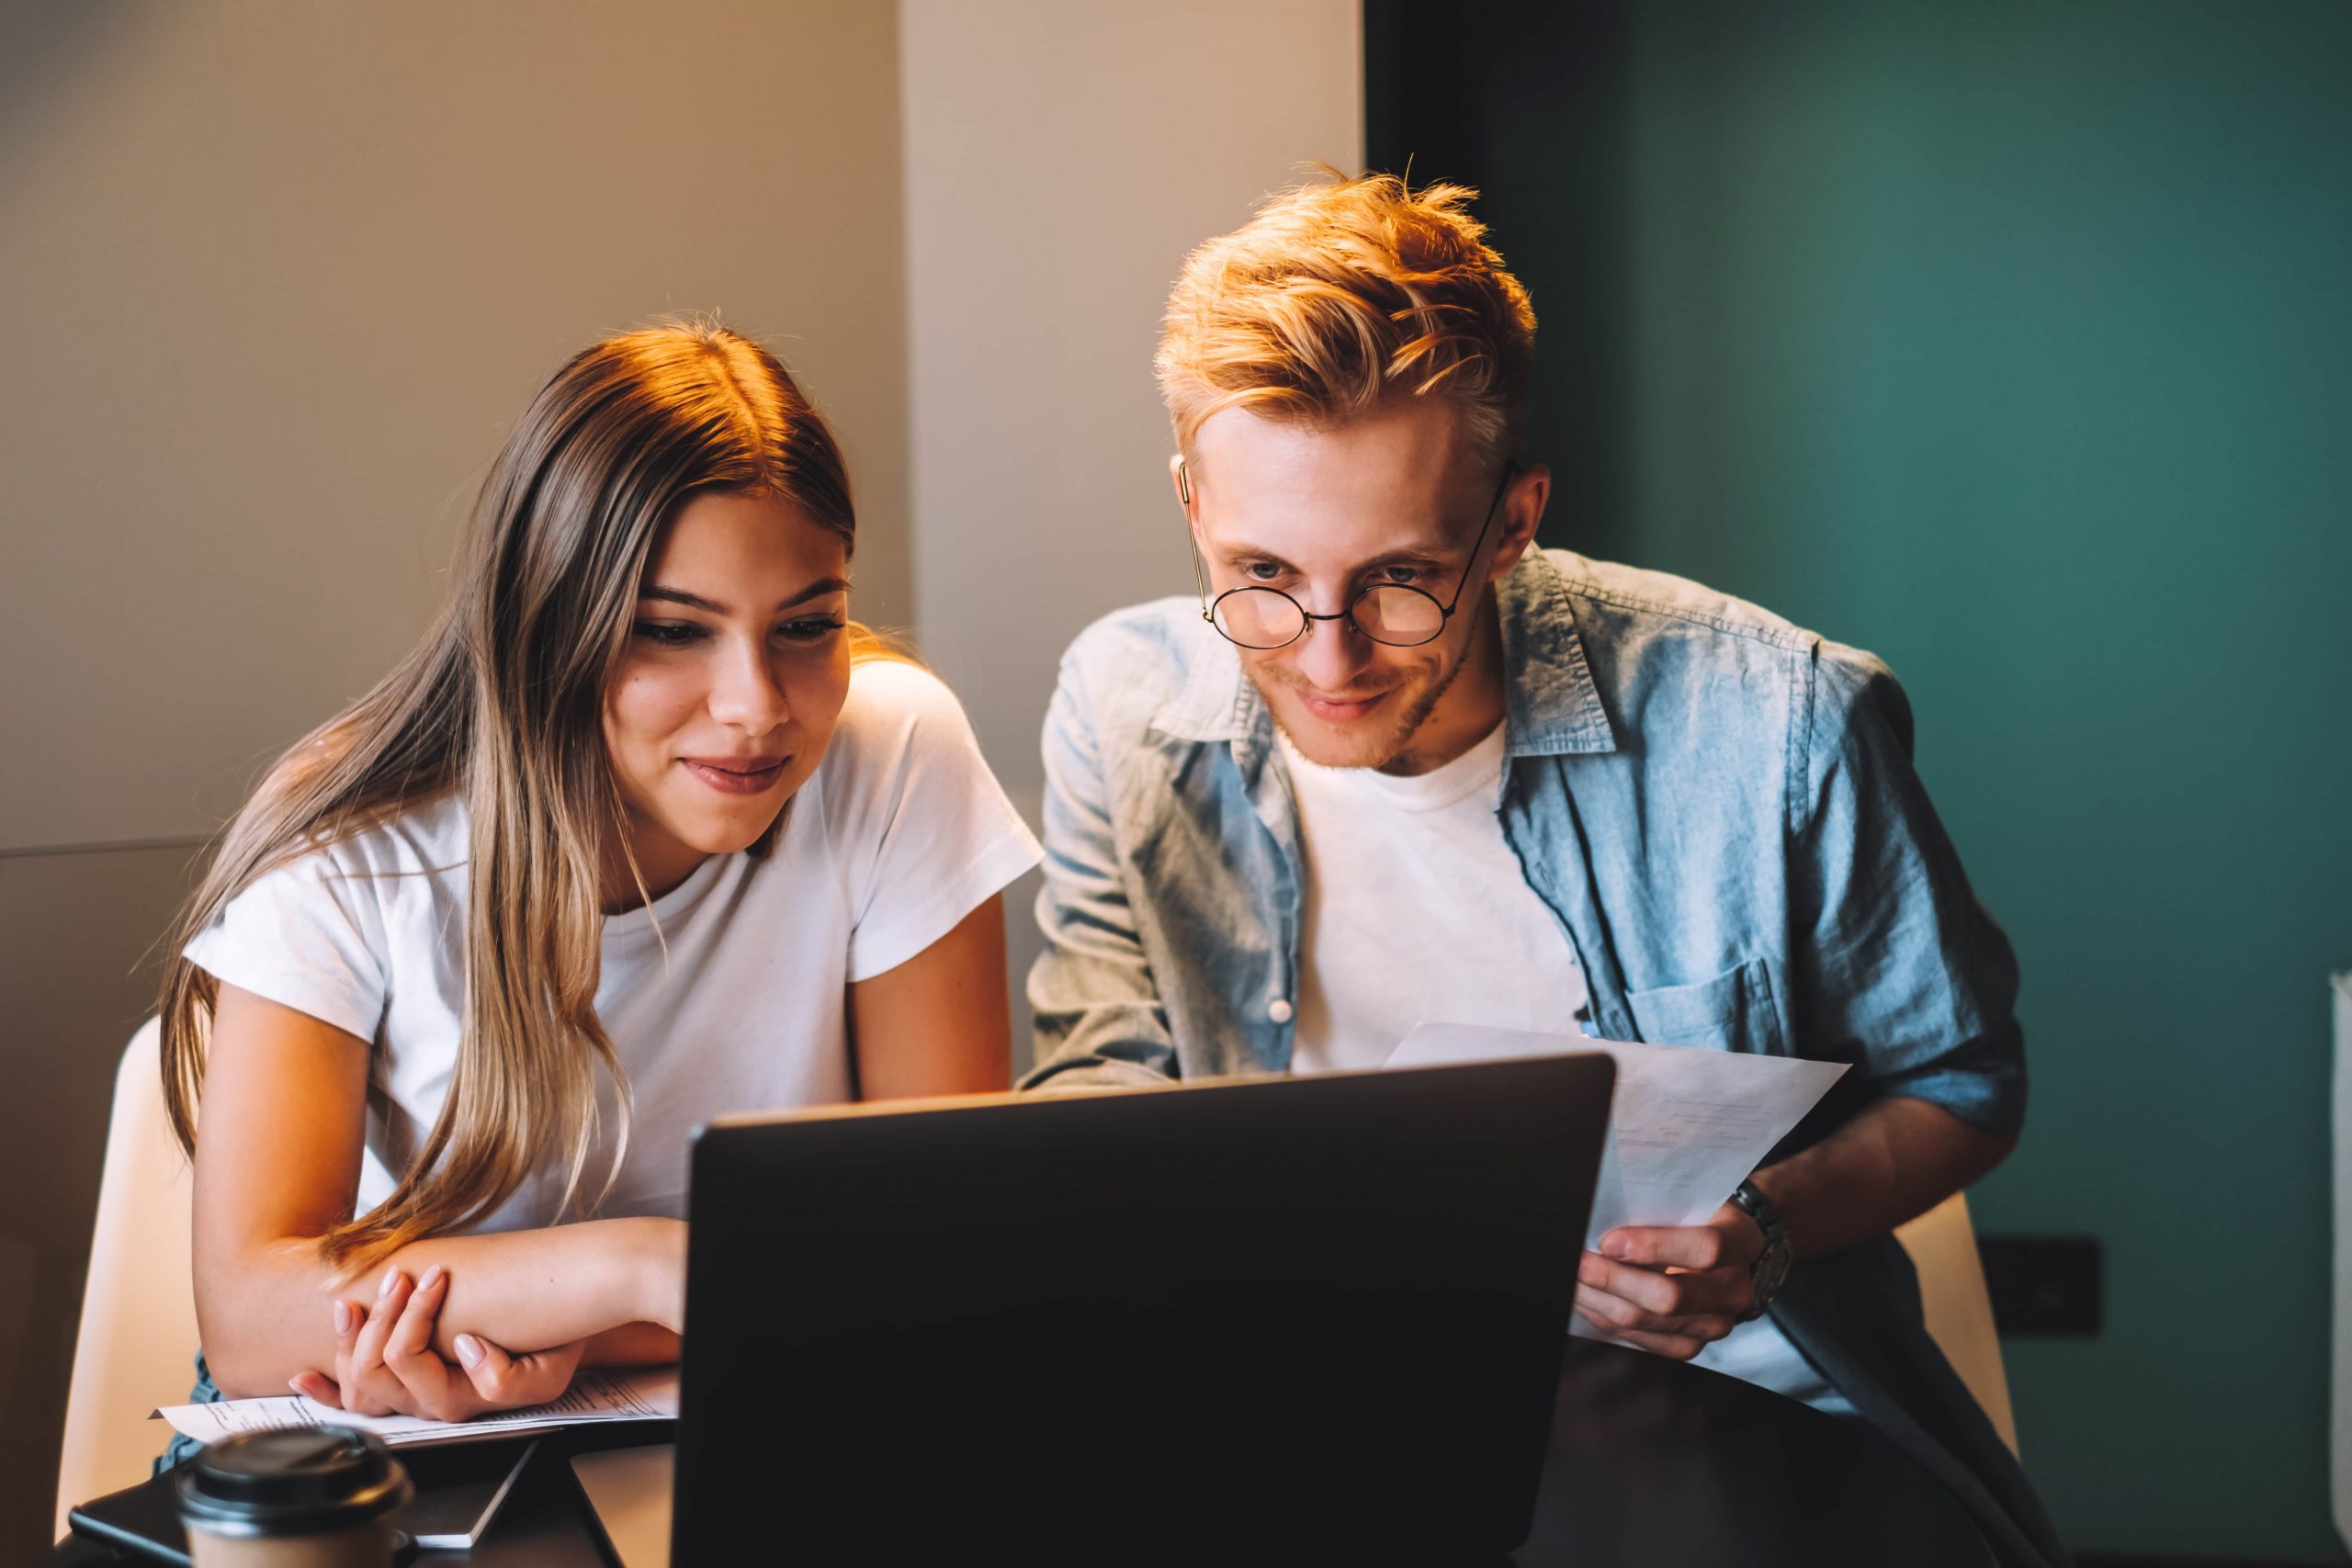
1371, 741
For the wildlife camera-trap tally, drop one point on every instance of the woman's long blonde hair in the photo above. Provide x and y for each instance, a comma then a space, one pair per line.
502, 705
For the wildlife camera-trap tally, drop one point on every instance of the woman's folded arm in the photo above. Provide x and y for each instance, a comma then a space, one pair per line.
277, 1167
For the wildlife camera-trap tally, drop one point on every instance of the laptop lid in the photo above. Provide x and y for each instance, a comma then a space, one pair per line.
629, 1490
1320, 1316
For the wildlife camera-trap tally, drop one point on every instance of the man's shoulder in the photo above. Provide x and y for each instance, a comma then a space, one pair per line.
1630, 610
1659, 600
1144, 629
1145, 657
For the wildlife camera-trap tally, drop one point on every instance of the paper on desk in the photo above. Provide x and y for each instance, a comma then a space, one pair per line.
644, 1395
1687, 1126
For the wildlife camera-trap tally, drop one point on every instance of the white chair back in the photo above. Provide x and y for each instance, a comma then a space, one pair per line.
138, 1336
1942, 1244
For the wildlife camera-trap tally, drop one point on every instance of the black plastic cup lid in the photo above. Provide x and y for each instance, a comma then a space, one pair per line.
292, 1481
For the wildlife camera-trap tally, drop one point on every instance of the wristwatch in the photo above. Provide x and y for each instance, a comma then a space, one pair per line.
1771, 1270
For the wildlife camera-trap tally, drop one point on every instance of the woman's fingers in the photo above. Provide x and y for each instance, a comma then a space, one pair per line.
317, 1386
370, 1385
381, 1316
385, 1362
409, 1356
360, 1340
508, 1383
327, 1391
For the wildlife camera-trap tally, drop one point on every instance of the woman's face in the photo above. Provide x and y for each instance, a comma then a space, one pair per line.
735, 670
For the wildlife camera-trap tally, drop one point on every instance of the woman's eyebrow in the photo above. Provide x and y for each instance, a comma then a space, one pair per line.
680, 597
816, 590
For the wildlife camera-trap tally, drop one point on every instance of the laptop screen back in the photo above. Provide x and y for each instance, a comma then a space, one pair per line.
1322, 1316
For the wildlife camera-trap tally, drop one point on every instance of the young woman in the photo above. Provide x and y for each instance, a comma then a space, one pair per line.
645, 830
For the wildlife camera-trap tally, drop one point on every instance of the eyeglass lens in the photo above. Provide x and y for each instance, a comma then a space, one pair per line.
1267, 617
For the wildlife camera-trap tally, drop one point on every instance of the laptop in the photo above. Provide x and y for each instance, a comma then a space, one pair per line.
1315, 1319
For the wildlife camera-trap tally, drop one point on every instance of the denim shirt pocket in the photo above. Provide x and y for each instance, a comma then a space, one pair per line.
1734, 1012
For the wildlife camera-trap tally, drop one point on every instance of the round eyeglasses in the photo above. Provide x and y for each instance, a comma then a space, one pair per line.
1394, 614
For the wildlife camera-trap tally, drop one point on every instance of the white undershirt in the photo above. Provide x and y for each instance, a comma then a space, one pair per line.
1418, 911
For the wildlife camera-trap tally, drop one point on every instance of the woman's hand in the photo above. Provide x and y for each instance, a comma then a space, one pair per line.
385, 1363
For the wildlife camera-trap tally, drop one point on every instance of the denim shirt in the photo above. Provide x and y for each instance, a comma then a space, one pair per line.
1719, 808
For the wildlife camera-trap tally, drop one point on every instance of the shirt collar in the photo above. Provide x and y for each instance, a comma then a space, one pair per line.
1551, 704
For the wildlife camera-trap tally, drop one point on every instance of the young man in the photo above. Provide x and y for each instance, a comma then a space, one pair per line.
1393, 764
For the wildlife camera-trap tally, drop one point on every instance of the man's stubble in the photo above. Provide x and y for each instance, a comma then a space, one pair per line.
1408, 725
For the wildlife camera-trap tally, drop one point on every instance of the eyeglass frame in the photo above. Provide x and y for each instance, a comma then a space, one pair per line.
1348, 611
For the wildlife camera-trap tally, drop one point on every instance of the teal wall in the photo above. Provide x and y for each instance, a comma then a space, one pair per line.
2015, 343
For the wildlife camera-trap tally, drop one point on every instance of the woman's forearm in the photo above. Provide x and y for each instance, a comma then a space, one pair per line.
270, 1315
632, 1345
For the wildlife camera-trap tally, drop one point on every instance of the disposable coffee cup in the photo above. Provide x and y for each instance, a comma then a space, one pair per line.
297, 1497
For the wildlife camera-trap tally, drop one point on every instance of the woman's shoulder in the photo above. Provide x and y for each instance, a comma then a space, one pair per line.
415, 855
426, 836
885, 685
901, 744
895, 706
326, 929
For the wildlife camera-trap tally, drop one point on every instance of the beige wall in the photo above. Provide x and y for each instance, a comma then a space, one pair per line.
277, 278
1062, 157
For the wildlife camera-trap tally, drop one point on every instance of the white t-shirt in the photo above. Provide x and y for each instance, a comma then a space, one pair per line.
735, 1002
1418, 911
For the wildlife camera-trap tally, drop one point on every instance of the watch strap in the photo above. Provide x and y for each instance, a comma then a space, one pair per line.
1771, 1270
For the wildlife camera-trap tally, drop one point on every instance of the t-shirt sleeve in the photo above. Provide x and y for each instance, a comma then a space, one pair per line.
307, 935
924, 831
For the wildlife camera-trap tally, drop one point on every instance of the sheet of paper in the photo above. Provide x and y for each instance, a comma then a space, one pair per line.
1687, 1126
635, 1395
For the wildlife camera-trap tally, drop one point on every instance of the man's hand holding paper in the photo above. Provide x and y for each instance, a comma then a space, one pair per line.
1667, 1261
1672, 1290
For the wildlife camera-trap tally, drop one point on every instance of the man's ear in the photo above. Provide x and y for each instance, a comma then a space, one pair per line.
1182, 477
1522, 510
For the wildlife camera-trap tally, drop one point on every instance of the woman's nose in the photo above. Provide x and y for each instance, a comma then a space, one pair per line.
746, 694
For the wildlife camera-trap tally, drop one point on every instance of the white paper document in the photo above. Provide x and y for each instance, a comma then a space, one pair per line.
611, 1395
1687, 1123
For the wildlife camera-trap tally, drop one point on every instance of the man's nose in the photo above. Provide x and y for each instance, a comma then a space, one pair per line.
1331, 654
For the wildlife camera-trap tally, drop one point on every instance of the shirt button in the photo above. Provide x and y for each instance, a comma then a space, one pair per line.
1279, 1010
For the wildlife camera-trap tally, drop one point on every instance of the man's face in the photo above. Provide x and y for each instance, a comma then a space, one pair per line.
1322, 514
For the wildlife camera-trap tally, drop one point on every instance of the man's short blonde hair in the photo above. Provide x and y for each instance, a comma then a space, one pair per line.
1335, 299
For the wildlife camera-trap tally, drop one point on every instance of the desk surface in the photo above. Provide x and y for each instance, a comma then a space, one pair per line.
1651, 1462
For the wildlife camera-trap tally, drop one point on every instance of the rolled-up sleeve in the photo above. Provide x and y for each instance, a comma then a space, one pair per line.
1897, 965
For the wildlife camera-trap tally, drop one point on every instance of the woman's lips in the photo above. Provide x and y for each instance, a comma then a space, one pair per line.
737, 776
